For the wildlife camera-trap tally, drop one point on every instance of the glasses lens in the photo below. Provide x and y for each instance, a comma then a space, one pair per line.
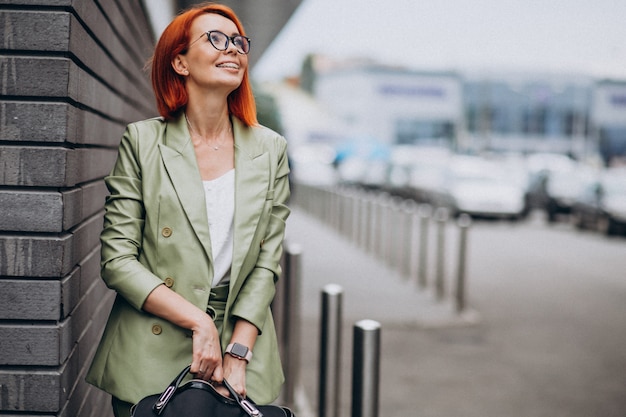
242, 44
218, 40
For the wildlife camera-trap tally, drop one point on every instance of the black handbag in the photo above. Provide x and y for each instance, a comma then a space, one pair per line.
198, 398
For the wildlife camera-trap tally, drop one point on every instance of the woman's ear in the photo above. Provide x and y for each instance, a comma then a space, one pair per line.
180, 65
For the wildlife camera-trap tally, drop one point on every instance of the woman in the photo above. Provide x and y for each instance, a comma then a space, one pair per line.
194, 225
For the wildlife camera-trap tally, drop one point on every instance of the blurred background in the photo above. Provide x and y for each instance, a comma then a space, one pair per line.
487, 107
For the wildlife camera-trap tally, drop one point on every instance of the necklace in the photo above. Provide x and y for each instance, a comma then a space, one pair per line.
193, 132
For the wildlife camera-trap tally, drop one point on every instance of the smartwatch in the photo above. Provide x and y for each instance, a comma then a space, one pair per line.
239, 351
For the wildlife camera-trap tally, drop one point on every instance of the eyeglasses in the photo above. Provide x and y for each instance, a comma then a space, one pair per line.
220, 41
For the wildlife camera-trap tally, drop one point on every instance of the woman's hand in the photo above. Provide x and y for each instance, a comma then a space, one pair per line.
235, 374
234, 369
206, 360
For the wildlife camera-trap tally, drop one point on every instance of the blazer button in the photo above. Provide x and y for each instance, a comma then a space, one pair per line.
166, 232
156, 329
262, 242
169, 282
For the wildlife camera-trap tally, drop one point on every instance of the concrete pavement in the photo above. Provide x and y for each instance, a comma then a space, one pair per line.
371, 290
521, 357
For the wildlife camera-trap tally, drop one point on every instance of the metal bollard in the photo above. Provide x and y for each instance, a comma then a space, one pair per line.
396, 232
391, 216
356, 217
329, 208
341, 204
346, 212
383, 209
366, 369
424, 213
388, 255
372, 223
441, 217
364, 223
330, 351
285, 309
464, 223
408, 214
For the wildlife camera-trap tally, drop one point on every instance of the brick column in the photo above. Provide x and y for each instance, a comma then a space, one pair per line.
71, 77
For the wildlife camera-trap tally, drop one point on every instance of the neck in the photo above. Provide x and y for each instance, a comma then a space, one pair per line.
213, 136
204, 129
207, 111
207, 122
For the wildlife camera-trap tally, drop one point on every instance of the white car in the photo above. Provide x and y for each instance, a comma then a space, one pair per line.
482, 188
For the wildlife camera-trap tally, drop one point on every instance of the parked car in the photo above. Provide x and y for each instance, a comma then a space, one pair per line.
312, 164
542, 161
363, 161
554, 191
481, 188
415, 172
602, 204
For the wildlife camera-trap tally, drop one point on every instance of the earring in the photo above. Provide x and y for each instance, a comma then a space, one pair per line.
186, 72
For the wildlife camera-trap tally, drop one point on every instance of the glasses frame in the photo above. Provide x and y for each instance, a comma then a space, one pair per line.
229, 40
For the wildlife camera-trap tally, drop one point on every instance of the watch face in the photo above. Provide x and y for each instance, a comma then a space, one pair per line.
239, 350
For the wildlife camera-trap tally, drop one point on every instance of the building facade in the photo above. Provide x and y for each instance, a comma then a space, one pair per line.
523, 113
608, 118
394, 106
528, 113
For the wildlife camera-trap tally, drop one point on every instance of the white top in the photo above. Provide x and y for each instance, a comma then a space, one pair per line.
220, 207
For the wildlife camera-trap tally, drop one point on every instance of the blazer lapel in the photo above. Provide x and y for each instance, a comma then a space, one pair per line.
180, 162
251, 187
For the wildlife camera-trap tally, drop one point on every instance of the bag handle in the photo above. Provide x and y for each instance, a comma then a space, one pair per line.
167, 395
246, 405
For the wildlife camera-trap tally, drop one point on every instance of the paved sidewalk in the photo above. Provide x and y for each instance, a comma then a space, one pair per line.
542, 344
371, 290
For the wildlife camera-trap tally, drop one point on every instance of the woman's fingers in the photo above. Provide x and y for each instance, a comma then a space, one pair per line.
218, 374
222, 390
207, 354
209, 369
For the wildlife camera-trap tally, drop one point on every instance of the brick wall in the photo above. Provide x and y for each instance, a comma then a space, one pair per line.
71, 77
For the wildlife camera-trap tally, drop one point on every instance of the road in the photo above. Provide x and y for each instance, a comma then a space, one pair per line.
547, 337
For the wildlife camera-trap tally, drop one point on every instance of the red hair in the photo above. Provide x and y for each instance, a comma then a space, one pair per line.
169, 87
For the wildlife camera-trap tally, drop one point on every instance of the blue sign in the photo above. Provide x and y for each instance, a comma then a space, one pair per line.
412, 91
618, 100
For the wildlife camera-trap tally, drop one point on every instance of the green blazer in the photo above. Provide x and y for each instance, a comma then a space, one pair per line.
156, 233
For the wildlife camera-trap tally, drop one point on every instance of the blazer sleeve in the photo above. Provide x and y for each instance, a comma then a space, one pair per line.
256, 295
124, 219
